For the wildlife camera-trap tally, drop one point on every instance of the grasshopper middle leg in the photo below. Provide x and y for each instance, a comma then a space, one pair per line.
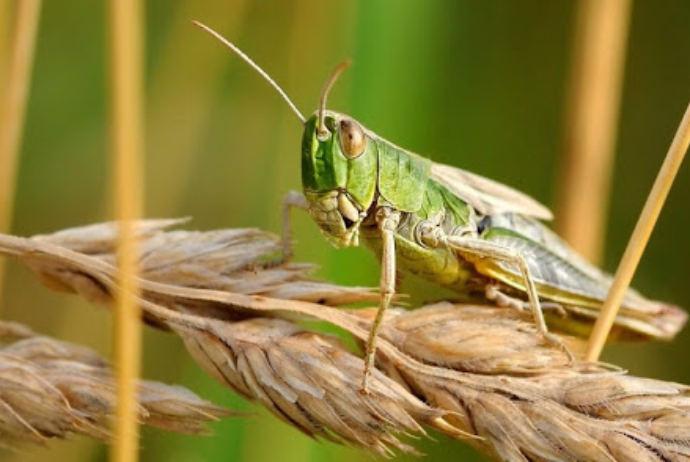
493, 292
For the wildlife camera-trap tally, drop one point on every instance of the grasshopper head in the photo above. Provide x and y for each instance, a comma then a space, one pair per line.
339, 165
339, 172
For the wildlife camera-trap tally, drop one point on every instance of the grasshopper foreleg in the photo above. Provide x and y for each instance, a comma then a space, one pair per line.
293, 199
486, 249
387, 221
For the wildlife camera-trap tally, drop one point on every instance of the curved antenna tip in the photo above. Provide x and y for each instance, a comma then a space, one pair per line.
335, 73
254, 66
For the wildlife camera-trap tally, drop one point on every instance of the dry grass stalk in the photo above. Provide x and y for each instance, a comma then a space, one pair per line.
596, 81
50, 389
503, 391
13, 98
640, 237
126, 37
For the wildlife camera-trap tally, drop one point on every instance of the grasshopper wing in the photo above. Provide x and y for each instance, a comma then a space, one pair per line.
486, 196
563, 277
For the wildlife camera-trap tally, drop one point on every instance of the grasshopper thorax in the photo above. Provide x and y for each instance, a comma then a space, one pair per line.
339, 174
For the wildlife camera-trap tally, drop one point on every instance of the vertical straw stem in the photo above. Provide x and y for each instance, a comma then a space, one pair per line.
12, 115
127, 147
601, 31
639, 238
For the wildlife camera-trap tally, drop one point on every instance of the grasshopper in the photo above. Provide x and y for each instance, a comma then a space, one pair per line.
451, 227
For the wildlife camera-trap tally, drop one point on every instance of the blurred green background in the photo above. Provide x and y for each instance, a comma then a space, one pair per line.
480, 85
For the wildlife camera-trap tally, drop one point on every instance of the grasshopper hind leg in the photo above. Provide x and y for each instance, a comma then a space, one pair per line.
483, 249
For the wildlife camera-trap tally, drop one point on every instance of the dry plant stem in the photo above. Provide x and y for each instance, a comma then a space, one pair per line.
639, 238
504, 390
126, 54
601, 31
5, 10
13, 112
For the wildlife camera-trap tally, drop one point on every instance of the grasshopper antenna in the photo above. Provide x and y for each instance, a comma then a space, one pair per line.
320, 126
254, 66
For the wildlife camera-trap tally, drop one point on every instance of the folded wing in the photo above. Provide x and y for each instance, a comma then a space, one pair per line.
486, 196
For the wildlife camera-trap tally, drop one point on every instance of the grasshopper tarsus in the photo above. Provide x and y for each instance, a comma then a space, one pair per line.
556, 341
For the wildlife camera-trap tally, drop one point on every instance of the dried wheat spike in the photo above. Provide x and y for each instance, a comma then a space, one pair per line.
310, 381
477, 373
243, 261
49, 389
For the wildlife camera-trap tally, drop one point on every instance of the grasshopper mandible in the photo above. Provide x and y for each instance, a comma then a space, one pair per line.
451, 227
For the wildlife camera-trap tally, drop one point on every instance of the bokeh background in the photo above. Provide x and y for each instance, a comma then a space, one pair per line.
480, 85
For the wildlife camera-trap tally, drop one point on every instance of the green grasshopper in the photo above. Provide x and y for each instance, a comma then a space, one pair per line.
451, 227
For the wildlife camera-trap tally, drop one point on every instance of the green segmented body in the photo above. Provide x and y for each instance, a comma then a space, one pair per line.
385, 175
435, 264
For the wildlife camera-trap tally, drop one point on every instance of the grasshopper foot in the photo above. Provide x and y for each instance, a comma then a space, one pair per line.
287, 252
293, 199
557, 342
368, 364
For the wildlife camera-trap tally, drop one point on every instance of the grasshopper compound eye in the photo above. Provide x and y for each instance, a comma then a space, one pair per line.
352, 139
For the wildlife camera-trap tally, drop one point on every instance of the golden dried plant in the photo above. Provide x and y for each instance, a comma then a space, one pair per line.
50, 389
476, 373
